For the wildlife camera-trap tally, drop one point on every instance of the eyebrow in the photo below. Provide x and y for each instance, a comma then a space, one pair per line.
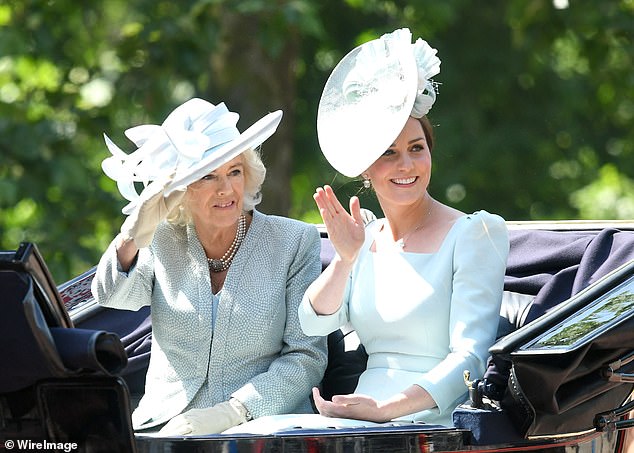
410, 142
237, 164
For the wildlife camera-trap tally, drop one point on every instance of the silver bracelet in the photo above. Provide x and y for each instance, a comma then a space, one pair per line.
242, 410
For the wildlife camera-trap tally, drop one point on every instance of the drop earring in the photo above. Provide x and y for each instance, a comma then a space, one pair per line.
366, 182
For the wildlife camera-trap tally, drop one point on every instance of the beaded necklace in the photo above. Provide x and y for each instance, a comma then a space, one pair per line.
222, 264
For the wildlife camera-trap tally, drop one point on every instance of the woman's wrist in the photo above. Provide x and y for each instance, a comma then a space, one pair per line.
127, 251
240, 409
391, 408
413, 399
122, 241
341, 264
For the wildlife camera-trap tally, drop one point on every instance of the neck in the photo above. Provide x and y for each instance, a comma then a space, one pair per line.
216, 240
403, 220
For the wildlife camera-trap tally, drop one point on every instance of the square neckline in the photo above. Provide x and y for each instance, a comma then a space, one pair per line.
379, 223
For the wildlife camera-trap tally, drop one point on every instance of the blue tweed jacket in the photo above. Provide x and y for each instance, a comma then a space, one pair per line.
255, 351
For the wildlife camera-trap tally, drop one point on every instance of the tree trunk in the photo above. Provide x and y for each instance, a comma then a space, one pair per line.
245, 52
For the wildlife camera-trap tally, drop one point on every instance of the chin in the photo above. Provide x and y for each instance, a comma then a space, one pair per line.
404, 199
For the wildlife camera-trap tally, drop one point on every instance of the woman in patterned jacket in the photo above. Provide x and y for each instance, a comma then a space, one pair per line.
223, 280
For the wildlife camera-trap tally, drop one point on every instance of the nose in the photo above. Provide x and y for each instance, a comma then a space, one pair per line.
224, 186
405, 162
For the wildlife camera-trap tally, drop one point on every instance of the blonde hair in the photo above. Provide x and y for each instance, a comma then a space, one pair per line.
254, 174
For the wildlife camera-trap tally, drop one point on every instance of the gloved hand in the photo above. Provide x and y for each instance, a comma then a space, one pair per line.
152, 208
210, 420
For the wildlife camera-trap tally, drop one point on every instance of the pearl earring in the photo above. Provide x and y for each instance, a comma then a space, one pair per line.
366, 182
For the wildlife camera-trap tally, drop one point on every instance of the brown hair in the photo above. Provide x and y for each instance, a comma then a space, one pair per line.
428, 129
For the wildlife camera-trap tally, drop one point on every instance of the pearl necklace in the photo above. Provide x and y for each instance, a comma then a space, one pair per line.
223, 263
401, 241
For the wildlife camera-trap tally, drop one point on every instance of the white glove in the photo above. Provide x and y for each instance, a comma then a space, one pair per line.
210, 420
152, 208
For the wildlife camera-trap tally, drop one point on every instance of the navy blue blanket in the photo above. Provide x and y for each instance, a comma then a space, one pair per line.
555, 265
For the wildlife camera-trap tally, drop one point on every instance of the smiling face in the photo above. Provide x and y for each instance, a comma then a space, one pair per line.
218, 197
402, 173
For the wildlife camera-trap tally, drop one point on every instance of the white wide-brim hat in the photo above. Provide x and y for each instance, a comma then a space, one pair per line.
196, 138
369, 96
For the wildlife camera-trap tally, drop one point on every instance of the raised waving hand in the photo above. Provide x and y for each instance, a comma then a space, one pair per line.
345, 230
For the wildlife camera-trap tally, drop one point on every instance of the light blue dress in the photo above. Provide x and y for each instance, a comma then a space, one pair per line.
424, 318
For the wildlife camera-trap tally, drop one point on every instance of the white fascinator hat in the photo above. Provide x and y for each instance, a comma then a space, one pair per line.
196, 138
369, 96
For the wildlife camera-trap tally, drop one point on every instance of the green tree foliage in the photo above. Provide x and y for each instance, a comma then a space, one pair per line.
534, 116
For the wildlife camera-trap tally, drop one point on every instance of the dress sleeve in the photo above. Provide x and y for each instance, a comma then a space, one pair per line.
479, 264
302, 361
114, 288
314, 324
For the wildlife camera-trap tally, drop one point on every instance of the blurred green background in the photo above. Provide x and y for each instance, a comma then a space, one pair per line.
534, 120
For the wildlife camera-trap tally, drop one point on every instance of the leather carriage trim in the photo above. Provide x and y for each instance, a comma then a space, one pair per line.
528, 413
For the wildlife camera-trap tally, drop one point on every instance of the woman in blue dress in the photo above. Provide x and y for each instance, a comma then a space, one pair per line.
421, 286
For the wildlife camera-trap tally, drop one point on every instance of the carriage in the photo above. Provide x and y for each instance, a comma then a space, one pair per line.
560, 378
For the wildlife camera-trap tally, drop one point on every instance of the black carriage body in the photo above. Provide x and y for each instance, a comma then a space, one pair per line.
559, 397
